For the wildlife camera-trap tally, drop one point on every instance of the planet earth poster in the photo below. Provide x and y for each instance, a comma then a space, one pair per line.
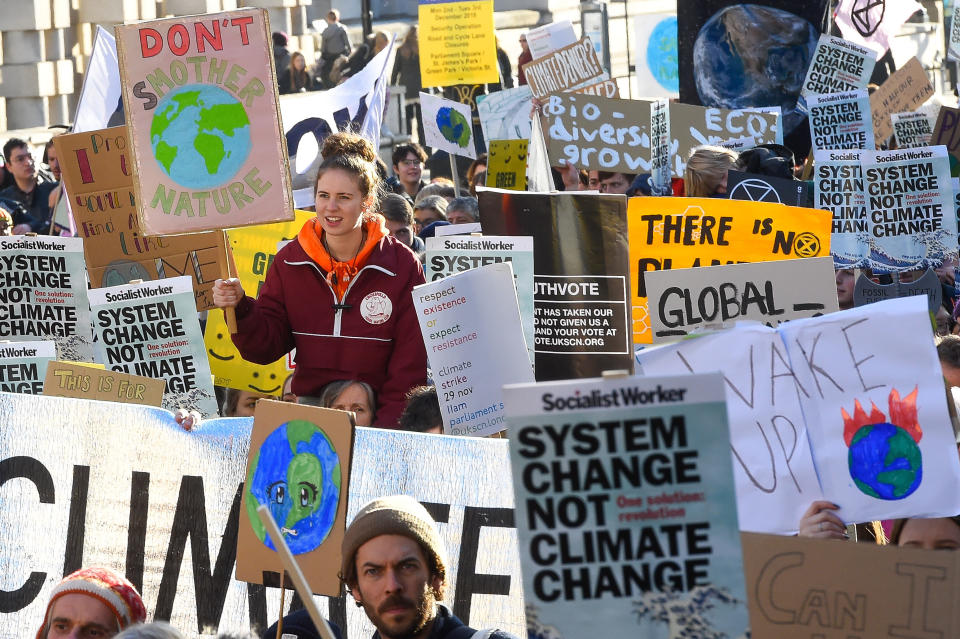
738, 55
448, 125
657, 67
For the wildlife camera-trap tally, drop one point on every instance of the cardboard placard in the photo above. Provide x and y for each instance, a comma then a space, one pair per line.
23, 365
909, 199
457, 42
43, 293
692, 126
684, 300
946, 132
99, 182
66, 379
151, 329
766, 188
912, 129
299, 467
507, 164
867, 291
838, 188
838, 66
581, 290
604, 88
841, 121
953, 40
570, 67
905, 90
667, 233
800, 587
505, 114
600, 528
463, 318
200, 101
448, 125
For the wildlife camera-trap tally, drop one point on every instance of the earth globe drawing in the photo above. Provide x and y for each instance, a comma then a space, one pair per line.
296, 475
662, 54
885, 461
200, 136
747, 56
454, 127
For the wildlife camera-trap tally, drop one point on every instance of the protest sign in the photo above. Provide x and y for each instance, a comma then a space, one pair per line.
507, 164
838, 188
912, 129
570, 67
631, 510
604, 88
463, 317
505, 114
355, 105
912, 223
867, 292
692, 126
873, 24
548, 38
151, 329
953, 39
447, 125
170, 521
838, 66
660, 138
301, 452
99, 102
43, 293
448, 255
457, 42
458, 229
799, 588
947, 132
841, 121
655, 47
905, 90
797, 396
766, 188
683, 300
65, 379
98, 180
23, 365
598, 134
195, 121
667, 233
739, 144
580, 302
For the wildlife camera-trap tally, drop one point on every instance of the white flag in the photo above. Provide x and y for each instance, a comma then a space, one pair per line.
873, 23
100, 94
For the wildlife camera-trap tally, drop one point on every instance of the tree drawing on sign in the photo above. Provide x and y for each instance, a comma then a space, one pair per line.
685, 612
884, 457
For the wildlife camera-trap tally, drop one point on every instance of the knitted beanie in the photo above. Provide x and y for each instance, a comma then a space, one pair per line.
394, 515
107, 587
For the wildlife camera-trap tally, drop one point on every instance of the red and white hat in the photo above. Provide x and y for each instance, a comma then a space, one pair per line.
108, 587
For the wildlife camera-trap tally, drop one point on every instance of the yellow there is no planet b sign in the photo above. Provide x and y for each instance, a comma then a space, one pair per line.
457, 43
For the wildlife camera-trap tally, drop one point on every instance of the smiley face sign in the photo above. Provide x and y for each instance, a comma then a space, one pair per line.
231, 370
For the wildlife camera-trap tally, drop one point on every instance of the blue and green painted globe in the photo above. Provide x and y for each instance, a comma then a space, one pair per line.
453, 126
200, 136
662, 54
296, 474
885, 461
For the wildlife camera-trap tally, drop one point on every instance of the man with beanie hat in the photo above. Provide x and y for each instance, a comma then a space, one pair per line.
92, 602
395, 567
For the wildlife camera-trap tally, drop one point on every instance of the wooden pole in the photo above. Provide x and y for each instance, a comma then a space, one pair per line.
229, 314
453, 173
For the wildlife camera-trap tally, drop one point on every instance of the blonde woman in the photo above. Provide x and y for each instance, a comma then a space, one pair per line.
706, 173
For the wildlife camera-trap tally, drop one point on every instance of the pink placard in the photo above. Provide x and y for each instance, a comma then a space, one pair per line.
200, 99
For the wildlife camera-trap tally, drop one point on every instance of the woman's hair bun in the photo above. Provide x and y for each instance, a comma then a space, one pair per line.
343, 143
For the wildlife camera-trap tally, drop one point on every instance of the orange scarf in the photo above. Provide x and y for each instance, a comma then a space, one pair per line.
340, 274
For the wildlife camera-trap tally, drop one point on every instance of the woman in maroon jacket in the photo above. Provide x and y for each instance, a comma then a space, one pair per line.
340, 293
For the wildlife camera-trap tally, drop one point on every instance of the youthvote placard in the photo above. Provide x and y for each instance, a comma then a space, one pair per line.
569, 67
449, 255
834, 393
841, 121
98, 178
169, 520
684, 300
23, 365
838, 66
910, 212
43, 293
667, 233
151, 329
838, 188
581, 290
200, 101
464, 317
912, 129
625, 503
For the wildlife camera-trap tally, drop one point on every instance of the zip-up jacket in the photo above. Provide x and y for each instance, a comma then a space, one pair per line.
372, 336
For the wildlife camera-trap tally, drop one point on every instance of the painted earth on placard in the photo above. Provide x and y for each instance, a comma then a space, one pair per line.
662, 58
200, 136
453, 126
